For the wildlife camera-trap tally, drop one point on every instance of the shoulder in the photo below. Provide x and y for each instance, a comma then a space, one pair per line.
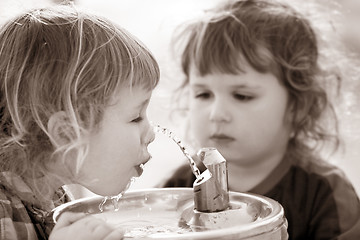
333, 191
182, 177
6, 215
15, 222
318, 199
5, 203
315, 177
328, 173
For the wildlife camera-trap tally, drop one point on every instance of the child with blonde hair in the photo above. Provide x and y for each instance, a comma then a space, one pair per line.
74, 94
254, 93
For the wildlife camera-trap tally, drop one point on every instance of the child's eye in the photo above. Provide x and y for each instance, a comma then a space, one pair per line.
136, 120
203, 95
243, 97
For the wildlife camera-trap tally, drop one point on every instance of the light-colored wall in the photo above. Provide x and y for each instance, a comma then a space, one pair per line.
153, 22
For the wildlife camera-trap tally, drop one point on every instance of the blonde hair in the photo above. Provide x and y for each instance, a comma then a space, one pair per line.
62, 60
271, 37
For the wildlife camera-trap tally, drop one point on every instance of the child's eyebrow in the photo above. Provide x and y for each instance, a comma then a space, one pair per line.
236, 86
244, 86
197, 85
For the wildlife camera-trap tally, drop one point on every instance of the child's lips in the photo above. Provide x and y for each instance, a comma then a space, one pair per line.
140, 168
221, 138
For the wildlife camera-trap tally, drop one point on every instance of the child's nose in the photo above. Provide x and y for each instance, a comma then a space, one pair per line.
150, 134
219, 112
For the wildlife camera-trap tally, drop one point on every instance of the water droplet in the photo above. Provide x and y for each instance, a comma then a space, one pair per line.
115, 199
119, 196
101, 205
115, 202
171, 135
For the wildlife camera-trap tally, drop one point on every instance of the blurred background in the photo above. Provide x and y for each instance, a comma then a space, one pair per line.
153, 22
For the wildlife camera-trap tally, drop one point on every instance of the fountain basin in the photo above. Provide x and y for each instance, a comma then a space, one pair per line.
167, 213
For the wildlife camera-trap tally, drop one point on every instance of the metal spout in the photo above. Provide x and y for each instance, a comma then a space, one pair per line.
211, 193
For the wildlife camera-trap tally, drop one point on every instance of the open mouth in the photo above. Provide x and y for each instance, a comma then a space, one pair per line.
140, 168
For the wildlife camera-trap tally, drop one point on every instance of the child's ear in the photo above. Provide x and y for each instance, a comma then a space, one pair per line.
58, 128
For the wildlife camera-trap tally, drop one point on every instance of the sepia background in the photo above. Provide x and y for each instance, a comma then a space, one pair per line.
153, 22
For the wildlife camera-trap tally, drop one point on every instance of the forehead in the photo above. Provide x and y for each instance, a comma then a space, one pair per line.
130, 98
249, 77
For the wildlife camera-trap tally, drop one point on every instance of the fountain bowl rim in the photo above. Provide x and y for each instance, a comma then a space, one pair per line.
275, 220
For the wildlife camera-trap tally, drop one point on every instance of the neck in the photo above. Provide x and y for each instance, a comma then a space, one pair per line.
244, 178
44, 189
46, 186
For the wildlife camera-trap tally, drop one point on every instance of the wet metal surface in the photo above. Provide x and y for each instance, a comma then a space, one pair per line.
167, 213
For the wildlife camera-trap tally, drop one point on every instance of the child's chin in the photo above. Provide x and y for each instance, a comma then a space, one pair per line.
118, 190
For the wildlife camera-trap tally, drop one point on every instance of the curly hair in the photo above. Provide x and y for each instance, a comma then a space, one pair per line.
271, 37
62, 60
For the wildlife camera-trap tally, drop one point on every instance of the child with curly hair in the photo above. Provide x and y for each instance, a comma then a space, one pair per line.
254, 87
74, 94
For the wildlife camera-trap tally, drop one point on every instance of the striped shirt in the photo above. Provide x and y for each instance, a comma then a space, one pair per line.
21, 217
318, 200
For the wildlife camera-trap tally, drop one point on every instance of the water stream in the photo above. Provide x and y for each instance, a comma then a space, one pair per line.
172, 136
